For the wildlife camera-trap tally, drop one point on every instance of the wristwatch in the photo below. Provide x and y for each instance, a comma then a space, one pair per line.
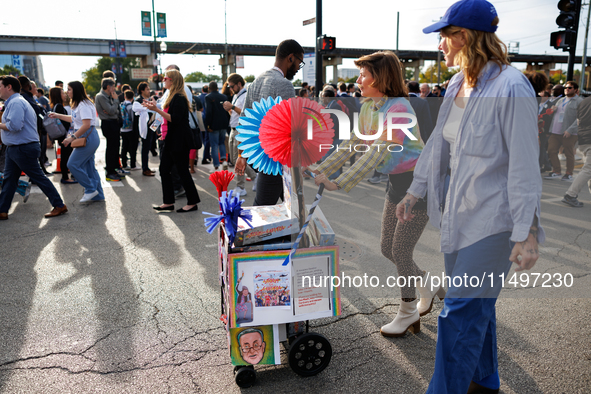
233, 107
73, 136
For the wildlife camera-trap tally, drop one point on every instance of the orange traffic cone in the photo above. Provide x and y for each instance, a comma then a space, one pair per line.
58, 155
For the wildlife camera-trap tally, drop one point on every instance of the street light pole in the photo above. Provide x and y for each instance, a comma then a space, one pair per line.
584, 63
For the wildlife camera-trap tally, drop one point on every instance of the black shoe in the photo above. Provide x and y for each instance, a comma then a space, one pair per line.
475, 388
154, 153
179, 193
206, 161
188, 210
169, 208
572, 201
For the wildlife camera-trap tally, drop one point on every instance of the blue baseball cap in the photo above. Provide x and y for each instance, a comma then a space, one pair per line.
469, 14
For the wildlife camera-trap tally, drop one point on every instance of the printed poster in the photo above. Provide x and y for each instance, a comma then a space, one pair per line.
272, 288
255, 345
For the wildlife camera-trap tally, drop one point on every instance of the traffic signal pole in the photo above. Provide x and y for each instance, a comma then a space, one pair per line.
573, 51
319, 61
584, 63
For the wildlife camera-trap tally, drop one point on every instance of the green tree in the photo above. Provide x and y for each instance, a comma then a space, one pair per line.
196, 76
352, 80
9, 70
249, 78
409, 74
297, 82
557, 77
93, 76
430, 74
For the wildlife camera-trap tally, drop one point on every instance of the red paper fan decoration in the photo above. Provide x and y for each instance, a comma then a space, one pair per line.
221, 180
284, 132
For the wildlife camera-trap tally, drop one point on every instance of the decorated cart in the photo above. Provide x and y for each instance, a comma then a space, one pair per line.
275, 262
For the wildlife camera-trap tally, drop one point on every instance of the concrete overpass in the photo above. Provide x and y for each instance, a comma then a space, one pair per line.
145, 51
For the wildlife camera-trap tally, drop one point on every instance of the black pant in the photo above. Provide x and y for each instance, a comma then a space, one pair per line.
269, 189
111, 131
129, 143
180, 160
43, 157
146, 147
544, 160
176, 179
66, 151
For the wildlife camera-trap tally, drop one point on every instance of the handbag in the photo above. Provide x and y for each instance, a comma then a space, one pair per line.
195, 133
79, 142
54, 127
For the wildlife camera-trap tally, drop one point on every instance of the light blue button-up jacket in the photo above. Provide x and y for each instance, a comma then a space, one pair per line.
495, 184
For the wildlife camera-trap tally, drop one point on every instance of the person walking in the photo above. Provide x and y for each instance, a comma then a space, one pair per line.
273, 83
584, 176
56, 102
480, 170
381, 81
563, 132
19, 133
107, 108
176, 133
81, 161
217, 122
238, 85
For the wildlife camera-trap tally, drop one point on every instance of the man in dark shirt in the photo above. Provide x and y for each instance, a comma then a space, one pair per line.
217, 121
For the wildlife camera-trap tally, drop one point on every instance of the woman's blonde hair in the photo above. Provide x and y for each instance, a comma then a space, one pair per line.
386, 70
480, 47
178, 87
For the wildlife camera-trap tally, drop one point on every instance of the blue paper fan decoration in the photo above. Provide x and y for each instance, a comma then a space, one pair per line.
249, 137
230, 211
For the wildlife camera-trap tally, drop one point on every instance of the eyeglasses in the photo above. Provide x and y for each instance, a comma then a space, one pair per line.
231, 86
568, 87
256, 348
302, 63
166, 79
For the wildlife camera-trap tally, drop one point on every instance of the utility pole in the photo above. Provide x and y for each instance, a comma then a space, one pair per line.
397, 30
319, 57
155, 45
226, 64
117, 61
584, 63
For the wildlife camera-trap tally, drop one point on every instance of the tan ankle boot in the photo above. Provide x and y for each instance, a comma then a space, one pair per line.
427, 296
407, 319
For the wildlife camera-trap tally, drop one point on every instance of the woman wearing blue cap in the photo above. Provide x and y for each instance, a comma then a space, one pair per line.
481, 172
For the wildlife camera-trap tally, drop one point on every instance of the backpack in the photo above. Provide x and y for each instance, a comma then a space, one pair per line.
127, 121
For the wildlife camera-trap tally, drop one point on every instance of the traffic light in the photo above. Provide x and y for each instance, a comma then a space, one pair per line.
562, 39
569, 20
326, 43
569, 14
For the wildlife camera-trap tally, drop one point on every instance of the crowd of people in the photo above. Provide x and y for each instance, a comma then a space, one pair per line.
471, 165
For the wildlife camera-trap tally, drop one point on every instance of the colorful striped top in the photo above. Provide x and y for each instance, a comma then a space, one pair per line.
396, 156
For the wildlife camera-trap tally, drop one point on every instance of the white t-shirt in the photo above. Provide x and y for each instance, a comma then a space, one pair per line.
84, 110
237, 101
452, 126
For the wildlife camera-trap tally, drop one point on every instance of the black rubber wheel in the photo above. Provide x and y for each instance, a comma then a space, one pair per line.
309, 354
245, 376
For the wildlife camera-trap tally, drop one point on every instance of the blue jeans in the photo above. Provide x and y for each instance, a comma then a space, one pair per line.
81, 164
25, 158
216, 139
466, 328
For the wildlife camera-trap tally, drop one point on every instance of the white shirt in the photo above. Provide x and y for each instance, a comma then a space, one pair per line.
84, 110
237, 101
452, 126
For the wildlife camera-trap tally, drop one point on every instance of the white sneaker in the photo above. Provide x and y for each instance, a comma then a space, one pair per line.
225, 165
254, 185
562, 156
240, 192
407, 319
87, 197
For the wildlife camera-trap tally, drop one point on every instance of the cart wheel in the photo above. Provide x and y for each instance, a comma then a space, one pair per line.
245, 376
309, 354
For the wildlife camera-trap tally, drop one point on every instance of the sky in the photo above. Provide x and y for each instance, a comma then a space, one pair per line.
369, 25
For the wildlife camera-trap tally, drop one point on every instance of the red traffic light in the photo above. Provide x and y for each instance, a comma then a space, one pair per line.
562, 39
327, 43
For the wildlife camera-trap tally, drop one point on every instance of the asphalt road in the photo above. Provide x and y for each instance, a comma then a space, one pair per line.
115, 298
